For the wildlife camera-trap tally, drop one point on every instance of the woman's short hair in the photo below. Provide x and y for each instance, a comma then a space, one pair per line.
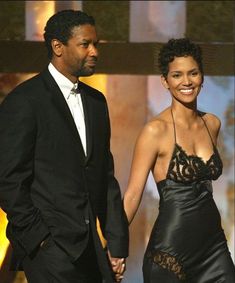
178, 48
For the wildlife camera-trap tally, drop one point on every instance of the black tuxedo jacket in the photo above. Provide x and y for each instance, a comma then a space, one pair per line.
47, 184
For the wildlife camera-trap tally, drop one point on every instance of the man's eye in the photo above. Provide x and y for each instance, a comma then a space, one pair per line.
85, 44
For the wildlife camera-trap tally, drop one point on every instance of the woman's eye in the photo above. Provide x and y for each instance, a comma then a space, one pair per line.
176, 76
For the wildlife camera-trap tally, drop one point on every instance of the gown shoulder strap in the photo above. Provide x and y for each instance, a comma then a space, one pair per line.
173, 124
207, 129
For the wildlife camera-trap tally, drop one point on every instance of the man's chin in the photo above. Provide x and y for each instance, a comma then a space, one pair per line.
87, 72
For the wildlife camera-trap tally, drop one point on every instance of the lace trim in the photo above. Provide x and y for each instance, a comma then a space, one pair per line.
168, 262
188, 168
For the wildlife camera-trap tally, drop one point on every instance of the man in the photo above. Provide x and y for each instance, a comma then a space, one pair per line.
56, 170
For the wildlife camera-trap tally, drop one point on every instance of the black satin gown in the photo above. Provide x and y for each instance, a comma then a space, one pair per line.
187, 243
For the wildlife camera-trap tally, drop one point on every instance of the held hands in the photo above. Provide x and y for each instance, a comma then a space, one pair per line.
118, 266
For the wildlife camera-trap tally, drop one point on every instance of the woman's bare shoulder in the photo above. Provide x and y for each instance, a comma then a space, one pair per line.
212, 121
158, 124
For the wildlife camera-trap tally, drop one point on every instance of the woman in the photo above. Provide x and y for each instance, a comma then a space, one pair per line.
187, 243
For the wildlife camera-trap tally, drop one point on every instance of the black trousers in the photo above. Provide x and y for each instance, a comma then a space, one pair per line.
52, 265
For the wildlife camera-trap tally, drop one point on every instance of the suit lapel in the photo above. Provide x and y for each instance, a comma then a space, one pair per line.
88, 119
60, 103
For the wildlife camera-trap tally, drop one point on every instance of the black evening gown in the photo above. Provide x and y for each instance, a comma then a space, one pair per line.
187, 243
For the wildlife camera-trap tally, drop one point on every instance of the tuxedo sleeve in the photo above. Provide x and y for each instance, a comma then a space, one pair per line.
116, 230
18, 133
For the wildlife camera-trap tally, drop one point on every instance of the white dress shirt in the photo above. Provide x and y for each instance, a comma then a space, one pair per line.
74, 101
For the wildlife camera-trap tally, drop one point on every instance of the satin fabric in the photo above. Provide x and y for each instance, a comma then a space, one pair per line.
188, 236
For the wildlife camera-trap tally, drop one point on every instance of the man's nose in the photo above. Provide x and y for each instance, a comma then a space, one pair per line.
93, 51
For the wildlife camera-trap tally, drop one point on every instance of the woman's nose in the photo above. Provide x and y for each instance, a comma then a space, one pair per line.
186, 80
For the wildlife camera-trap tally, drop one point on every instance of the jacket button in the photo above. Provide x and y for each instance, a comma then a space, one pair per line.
87, 221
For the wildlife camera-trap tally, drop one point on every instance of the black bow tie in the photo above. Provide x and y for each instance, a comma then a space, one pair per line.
75, 90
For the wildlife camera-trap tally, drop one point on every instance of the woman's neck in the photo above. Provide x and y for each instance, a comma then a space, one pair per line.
187, 115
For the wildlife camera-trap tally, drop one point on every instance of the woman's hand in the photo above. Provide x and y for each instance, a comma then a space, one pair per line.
118, 266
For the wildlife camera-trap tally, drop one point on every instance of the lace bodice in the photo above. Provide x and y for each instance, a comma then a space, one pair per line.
186, 168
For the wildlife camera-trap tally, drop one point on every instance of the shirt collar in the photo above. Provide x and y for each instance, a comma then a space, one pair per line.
64, 83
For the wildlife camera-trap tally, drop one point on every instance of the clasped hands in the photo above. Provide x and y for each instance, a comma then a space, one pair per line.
118, 266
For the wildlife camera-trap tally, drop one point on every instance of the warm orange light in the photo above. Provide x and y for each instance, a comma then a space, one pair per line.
98, 81
3, 240
101, 236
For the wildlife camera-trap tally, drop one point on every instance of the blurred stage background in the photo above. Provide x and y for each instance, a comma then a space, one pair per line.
131, 33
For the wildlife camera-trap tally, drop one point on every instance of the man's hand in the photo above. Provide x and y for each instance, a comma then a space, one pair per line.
118, 266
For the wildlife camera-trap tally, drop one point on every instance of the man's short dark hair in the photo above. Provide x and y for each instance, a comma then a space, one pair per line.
178, 48
60, 26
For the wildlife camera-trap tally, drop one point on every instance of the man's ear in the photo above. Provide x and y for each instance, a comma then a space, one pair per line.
164, 82
57, 47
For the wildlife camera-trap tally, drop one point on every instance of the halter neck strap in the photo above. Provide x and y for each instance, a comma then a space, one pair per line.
173, 124
207, 129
